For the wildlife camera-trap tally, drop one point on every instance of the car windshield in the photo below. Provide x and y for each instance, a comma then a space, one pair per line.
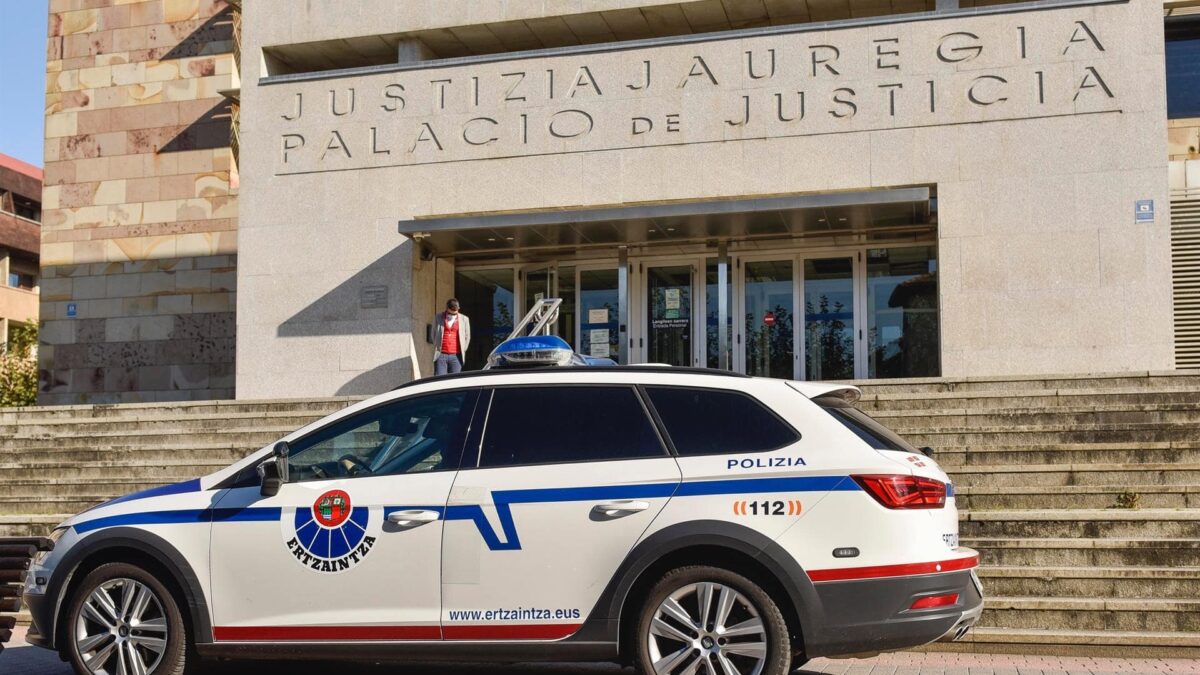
860, 424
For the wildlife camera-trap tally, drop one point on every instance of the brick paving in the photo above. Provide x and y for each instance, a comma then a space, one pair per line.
21, 659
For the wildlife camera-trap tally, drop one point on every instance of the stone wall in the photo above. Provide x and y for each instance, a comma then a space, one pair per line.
140, 210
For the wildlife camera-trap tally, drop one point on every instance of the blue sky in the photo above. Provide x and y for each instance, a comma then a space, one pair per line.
23, 78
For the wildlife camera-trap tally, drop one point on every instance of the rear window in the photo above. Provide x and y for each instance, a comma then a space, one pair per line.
717, 422
875, 434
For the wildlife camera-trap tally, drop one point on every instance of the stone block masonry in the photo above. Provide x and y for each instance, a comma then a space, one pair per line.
140, 228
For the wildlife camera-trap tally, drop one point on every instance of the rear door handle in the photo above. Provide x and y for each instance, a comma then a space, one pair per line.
617, 509
413, 517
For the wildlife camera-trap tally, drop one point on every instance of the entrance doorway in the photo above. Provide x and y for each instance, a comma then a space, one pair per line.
808, 314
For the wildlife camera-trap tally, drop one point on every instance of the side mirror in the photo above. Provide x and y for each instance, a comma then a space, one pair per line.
927, 451
274, 471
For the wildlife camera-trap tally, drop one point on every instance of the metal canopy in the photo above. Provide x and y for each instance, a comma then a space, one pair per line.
732, 220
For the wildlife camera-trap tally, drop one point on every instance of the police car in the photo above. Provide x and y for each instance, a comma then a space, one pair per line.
679, 520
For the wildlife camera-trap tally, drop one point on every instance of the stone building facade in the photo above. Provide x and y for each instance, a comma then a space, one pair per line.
788, 188
985, 161
139, 245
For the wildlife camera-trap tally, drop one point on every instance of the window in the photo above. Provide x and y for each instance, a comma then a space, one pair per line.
716, 422
545, 425
875, 434
902, 312
18, 280
414, 435
1183, 67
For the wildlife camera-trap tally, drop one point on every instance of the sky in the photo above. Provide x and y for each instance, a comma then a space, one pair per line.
23, 78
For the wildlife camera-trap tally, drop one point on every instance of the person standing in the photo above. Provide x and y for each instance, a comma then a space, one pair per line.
451, 337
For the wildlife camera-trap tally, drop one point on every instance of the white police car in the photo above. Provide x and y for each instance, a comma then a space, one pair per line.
684, 521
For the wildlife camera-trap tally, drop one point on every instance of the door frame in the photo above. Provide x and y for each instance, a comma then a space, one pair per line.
857, 257
639, 352
593, 266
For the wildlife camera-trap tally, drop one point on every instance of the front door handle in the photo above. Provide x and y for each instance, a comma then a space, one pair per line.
617, 509
413, 517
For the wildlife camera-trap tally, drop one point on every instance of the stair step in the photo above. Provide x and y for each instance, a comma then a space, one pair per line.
1029, 398
1149, 380
987, 497
1008, 436
1070, 453
318, 405
30, 525
1122, 614
1017, 475
947, 418
1083, 552
147, 437
1091, 523
163, 471
1107, 582
1127, 644
250, 418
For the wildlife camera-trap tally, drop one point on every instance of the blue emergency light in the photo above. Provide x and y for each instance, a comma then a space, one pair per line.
532, 351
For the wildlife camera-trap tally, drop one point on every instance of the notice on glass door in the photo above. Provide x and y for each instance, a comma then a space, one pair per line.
598, 316
598, 336
671, 296
599, 350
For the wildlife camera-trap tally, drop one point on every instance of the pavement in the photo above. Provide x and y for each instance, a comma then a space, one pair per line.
22, 659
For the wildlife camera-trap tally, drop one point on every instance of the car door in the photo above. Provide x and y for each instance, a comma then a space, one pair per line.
566, 480
350, 547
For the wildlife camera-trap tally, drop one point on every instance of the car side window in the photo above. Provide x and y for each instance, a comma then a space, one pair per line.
551, 424
412, 435
718, 422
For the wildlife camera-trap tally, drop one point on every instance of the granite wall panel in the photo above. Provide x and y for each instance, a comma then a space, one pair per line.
141, 202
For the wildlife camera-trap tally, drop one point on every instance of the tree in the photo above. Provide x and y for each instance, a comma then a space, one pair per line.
19, 368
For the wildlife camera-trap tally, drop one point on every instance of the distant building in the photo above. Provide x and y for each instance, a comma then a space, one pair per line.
790, 188
20, 242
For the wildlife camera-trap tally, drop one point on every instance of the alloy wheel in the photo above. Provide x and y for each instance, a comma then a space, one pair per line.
707, 628
121, 629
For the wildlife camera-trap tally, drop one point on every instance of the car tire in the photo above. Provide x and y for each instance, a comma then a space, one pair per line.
752, 637
121, 611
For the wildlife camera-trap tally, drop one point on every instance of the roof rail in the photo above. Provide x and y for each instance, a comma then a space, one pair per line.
675, 370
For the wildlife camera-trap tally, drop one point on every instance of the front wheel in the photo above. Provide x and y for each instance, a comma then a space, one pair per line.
711, 621
123, 621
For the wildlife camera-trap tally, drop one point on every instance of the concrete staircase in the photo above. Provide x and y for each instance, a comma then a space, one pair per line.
1081, 493
59, 460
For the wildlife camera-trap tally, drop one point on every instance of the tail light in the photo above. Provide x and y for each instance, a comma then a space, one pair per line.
905, 492
931, 601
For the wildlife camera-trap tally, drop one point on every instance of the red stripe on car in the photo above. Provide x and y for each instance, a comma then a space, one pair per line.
880, 571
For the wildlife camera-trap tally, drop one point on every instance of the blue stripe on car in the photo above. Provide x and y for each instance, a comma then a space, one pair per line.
503, 500
161, 491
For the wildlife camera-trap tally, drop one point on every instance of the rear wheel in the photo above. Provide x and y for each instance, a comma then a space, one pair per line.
710, 621
123, 621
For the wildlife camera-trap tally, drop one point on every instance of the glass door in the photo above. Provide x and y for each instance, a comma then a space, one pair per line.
768, 347
599, 313
551, 281
669, 326
829, 319
486, 296
538, 284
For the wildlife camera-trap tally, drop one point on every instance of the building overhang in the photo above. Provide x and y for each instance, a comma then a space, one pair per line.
789, 217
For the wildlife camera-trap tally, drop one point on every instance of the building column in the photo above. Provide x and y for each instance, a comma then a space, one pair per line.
623, 305
723, 358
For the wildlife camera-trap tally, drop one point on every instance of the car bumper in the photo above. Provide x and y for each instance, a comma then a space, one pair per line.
41, 609
873, 615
